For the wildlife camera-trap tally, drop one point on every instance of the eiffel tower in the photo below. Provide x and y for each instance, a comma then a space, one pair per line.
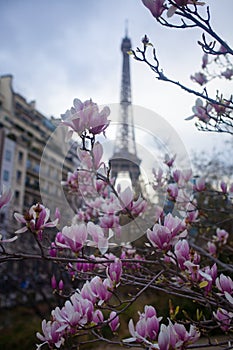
125, 158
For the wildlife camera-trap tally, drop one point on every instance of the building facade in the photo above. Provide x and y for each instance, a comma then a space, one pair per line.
25, 133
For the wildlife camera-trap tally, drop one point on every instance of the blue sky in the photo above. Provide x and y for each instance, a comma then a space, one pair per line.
61, 49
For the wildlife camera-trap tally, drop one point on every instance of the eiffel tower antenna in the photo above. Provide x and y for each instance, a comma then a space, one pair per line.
126, 27
125, 158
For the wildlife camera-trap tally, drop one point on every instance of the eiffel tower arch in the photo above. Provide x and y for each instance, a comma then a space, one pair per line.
125, 158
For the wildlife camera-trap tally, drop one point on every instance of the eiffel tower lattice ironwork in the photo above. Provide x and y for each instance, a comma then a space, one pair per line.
125, 158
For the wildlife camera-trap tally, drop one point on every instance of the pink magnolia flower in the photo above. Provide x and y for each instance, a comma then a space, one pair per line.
67, 317
221, 109
51, 334
98, 317
165, 236
200, 111
5, 197
183, 336
175, 225
100, 289
221, 236
160, 237
36, 220
224, 319
146, 328
212, 248
169, 160
199, 78
191, 213
156, 7
83, 307
193, 270
114, 271
164, 337
228, 73
75, 237
72, 181
173, 191
85, 116
127, 203
159, 179
181, 177
224, 284
182, 253
209, 274
175, 336
99, 239
200, 184
109, 220
114, 322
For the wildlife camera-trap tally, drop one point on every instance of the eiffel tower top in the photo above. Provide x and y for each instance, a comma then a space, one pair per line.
125, 78
125, 141
125, 154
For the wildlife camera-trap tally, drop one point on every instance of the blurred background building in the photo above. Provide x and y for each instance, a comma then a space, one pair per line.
24, 134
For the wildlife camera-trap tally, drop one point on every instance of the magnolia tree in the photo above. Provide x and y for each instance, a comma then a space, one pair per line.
186, 252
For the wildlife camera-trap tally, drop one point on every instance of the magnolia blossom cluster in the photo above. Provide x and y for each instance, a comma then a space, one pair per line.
223, 70
217, 241
156, 335
164, 235
83, 309
107, 211
101, 202
86, 117
94, 225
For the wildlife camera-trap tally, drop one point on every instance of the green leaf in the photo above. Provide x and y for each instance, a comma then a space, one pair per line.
203, 284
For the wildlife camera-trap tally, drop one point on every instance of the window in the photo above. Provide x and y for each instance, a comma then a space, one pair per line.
8, 155
36, 168
18, 176
27, 182
28, 165
20, 157
17, 197
2, 218
6, 175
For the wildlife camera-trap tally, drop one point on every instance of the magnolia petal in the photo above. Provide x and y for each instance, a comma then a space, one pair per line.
52, 223
127, 196
8, 240
229, 297
103, 245
20, 218
21, 230
129, 340
190, 118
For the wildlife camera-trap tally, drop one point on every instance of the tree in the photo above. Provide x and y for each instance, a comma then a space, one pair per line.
185, 254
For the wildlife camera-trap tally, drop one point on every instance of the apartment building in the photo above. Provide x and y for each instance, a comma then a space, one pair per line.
33, 155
